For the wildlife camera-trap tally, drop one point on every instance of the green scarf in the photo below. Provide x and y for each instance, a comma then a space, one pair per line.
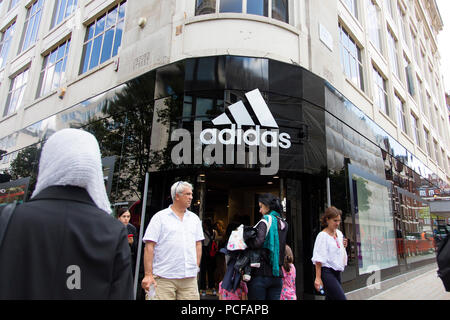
272, 243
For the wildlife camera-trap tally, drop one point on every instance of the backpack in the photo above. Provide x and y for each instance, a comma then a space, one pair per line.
443, 261
212, 247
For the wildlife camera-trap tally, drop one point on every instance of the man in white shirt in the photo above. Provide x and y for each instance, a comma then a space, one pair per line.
173, 248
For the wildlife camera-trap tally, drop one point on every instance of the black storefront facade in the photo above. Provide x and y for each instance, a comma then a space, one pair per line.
336, 156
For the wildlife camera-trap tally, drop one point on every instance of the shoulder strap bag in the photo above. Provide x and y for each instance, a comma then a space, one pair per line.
5, 216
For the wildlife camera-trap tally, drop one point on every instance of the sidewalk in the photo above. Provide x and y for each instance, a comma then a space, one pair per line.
426, 286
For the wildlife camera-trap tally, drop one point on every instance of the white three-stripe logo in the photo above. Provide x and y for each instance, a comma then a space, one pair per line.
241, 115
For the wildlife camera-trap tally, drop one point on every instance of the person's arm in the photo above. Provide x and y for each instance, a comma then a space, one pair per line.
198, 247
318, 281
148, 265
122, 285
258, 241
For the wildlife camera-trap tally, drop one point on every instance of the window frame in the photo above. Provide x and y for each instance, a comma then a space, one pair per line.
348, 54
269, 9
33, 33
13, 89
376, 74
48, 65
57, 11
89, 41
7, 41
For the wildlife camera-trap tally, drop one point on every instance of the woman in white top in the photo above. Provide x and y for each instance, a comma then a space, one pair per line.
330, 256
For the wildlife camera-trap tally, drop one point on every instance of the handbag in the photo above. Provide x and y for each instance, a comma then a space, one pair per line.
5, 216
236, 241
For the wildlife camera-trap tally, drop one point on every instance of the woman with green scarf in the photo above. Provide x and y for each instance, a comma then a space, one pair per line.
266, 281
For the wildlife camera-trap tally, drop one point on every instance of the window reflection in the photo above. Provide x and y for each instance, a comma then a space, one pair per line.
230, 6
205, 7
258, 7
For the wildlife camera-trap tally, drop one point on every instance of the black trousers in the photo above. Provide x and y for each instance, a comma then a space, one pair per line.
332, 284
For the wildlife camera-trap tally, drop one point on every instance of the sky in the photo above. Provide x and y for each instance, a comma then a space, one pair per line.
444, 41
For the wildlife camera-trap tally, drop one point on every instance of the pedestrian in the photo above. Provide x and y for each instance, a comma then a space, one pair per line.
266, 281
124, 216
64, 243
330, 256
208, 263
288, 292
173, 248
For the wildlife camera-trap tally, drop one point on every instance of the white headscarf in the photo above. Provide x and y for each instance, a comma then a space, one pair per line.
71, 157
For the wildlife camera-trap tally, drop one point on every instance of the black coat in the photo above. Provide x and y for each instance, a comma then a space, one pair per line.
60, 245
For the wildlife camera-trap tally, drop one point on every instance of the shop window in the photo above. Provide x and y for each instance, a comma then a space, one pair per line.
5, 42
16, 92
103, 38
276, 9
374, 221
53, 69
32, 23
63, 9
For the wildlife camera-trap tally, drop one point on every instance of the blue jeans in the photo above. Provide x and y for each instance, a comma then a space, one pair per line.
332, 284
264, 288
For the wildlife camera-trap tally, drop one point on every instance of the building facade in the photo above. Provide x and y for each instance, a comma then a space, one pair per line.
339, 105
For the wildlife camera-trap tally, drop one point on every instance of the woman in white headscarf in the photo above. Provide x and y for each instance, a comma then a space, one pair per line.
63, 244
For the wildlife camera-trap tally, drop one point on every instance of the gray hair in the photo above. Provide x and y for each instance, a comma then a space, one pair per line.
178, 188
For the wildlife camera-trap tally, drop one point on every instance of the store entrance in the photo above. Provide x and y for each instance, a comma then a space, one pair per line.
228, 198
234, 196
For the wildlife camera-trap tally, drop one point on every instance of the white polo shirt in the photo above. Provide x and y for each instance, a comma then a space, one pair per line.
327, 251
175, 255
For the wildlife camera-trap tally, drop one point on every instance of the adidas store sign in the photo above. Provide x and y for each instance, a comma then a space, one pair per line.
251, 137
242, 147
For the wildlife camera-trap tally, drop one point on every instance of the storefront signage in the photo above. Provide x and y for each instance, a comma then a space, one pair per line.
256, 144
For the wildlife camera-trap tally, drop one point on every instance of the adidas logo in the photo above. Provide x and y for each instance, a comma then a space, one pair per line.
251, 137
241, 115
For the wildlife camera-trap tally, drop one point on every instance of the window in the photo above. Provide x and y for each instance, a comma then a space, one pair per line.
426, 135
373, 24
5, 42
388, 7
12, 4
352, 6
53, 69
103, 38
415, 129
31, 27
401, 119
443, 157
351, 58
205, 7
279, 10
402, 24
436, 152
392, 48
16, 93
63, 9
408, 76
380, 94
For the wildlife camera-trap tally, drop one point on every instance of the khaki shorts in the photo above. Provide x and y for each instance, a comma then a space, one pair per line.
176, 289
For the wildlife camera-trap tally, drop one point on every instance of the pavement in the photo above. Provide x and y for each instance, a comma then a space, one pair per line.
425, 286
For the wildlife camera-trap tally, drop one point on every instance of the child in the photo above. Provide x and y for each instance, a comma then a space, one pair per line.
288, 290
239, 294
